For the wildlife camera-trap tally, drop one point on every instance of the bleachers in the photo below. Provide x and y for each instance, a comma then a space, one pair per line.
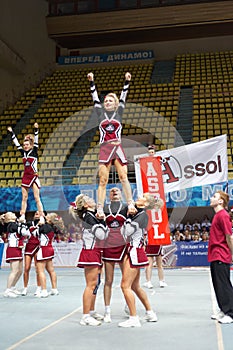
211, 75
151, 109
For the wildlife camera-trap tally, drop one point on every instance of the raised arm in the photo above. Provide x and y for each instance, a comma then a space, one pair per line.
124, 93
14, 138
94, 94
36, 133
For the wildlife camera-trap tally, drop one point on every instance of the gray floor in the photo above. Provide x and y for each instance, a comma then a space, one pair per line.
183, 308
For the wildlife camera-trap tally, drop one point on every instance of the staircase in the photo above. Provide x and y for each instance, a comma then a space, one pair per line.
185, 117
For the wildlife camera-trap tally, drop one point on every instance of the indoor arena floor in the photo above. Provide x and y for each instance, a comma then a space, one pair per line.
183, 308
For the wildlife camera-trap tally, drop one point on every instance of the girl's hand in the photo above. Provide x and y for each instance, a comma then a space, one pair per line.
90, 76
9, 129
127, 76
36, 126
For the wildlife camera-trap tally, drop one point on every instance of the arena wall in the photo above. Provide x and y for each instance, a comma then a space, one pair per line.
28, 53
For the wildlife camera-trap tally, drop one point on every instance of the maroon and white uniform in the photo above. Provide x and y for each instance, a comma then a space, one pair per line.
133, 233
46, 236
30, 159
115, 246
110, 126
94, 232
33, 244
154, 250
15, 241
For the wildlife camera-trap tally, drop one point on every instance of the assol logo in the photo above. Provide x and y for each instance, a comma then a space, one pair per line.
172, 170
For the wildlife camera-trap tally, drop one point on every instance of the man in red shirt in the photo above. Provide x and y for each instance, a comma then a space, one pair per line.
220, 252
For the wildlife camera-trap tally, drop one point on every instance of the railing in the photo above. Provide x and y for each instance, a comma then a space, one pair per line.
73, 7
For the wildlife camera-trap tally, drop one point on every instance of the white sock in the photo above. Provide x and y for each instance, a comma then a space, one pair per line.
107, 309
133, 317
149, 312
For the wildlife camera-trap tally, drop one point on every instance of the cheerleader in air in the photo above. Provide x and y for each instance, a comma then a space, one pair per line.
94, 233
29, 152
133, 232
111, 151
15, 242
54, 224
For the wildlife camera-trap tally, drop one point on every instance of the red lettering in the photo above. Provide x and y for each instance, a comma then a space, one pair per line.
166, 170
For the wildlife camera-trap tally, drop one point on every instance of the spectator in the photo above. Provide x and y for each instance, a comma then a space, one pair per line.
178, 236
187, 235
205, 237
197, 224
206, 222
196, 236
220, 254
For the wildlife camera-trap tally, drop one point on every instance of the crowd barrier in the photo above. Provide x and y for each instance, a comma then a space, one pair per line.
177, 254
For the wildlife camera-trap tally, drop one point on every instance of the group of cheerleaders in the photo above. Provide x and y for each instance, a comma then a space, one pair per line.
113, 233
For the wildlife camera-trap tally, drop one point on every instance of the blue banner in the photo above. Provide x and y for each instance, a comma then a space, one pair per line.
59, 197
1, 252
104, 58
192, 253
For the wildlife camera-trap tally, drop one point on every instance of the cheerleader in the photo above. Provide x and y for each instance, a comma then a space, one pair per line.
31, 248
30, 177
111, 151
133, 232
45, 255
114, 247
94, 231
15, 242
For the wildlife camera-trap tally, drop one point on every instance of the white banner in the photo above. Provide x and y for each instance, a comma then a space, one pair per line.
66, 254
197, 164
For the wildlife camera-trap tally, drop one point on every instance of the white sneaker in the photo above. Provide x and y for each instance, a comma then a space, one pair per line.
131, 322
150, 317
24, 292
17, 292
89, 321
162, 284
226, 319
148, 285
97, 316
43, 294
37, 292
10, 294
217, 316
107, 318
54, 291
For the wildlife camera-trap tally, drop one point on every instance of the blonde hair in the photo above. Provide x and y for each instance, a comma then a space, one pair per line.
153, 202
114, 96
30, 138
8, 217
56, 221
77, 207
